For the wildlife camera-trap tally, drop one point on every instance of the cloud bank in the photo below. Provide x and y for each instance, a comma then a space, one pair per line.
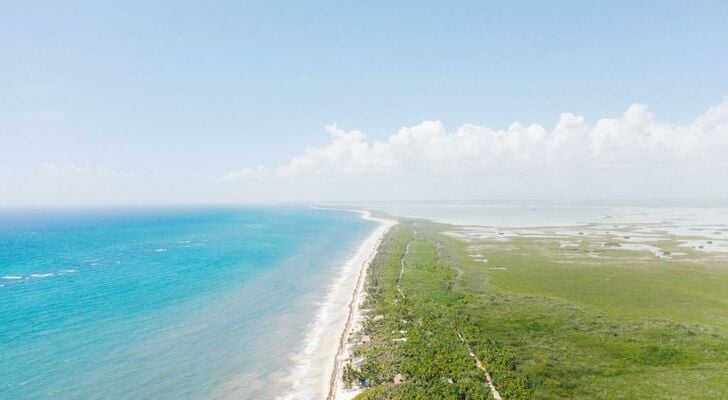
635, 141
634, 155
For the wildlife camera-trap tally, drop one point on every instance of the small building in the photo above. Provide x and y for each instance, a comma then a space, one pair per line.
399, 378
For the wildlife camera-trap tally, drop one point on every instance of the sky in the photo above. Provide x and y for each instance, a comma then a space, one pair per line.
162, 102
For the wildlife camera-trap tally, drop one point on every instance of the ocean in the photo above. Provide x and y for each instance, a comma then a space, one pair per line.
163, 303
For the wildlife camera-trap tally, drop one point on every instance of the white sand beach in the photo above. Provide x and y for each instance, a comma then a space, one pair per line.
317, 370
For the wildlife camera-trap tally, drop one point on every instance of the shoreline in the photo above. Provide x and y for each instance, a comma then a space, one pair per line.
317, 368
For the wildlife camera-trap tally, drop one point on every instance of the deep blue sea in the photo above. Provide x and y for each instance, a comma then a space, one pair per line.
167, 303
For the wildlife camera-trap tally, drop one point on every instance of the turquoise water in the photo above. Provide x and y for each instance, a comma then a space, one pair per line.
196, 303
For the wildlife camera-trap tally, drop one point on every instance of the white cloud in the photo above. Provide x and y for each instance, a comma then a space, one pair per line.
634, 155
635, 140
348, 154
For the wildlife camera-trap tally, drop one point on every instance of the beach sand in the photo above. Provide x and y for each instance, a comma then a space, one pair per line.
316, 373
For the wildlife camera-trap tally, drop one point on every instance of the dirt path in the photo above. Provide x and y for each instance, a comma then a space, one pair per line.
479, 364
401, 269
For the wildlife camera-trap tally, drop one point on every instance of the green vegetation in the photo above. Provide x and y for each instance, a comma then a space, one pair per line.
416, 333
591, 321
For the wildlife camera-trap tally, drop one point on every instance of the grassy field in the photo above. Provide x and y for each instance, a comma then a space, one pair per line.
583, 320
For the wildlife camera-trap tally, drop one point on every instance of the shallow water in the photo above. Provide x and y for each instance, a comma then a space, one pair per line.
549, 213
184, 303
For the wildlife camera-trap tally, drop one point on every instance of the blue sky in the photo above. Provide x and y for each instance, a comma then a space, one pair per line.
177, 91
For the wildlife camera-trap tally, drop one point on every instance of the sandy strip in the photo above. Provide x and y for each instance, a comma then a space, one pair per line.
317, 370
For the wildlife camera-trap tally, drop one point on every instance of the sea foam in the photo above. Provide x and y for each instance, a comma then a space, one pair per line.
316, 370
